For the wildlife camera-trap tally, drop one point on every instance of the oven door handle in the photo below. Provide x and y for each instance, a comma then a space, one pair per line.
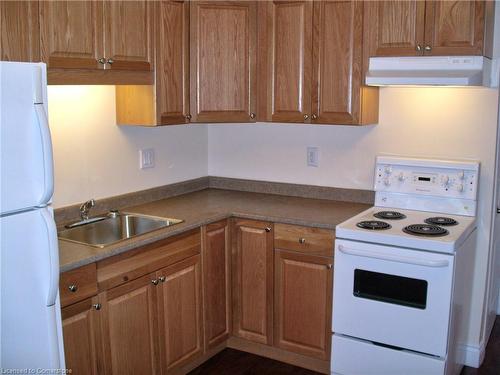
395, 258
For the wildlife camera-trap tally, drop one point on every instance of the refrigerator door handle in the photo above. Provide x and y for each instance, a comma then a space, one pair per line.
43, 123
53, 257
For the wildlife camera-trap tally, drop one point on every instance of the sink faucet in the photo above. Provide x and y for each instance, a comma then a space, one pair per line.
85, 208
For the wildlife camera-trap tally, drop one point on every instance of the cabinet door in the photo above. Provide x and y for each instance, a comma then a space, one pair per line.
129, 328
180, 314
253, 280
217, 283
338, 37
290, 43
128, 35
172, 62
223, 41
454, 27
80, 323
71, 34
395, 28
19, 28
303, 303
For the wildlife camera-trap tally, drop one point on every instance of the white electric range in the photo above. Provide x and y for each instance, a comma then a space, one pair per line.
402, 279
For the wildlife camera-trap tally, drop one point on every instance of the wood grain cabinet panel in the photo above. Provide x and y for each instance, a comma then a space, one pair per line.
291, 40
172, 62
253, 281
223, 40
80, 324
180, 312
454, 27
303, 303
128, 35
19, 31
129, 328
71, 34
217, 282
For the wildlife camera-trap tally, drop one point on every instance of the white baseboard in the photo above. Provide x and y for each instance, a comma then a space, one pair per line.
473, 356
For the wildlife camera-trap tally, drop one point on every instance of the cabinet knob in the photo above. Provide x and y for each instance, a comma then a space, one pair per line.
306, 116
188, 117
73, 288
302, 240
110, 61
96, 306
162, 279
314, 116
418, 48
155, 281
268, 229
329, 266
252, 115
428, 48
102, 60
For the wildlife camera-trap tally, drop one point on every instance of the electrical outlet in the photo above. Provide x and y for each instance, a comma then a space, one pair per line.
313, 156
147, 158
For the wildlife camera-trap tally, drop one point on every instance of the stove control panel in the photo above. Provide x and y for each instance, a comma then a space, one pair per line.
441, 178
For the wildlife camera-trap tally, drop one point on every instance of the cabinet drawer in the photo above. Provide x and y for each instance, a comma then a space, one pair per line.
304, 239
78, 284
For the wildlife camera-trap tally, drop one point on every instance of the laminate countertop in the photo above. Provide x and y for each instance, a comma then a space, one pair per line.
210, 205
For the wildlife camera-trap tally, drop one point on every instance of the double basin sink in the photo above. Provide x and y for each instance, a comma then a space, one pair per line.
102, 231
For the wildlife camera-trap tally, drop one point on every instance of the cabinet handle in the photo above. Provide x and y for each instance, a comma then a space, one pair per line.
268, 229
428, 48
302, 240
155, 281
73, 288
102, 60
314, 116
418, 48
162, 279
110, 61
329, 266
306, 116
252, 115
188, 117
96, 306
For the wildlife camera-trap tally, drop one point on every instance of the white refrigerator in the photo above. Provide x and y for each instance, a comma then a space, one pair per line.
30, 330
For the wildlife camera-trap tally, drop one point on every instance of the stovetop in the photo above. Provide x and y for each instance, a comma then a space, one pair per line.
421, 230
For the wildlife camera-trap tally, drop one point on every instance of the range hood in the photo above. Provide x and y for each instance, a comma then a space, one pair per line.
429, 71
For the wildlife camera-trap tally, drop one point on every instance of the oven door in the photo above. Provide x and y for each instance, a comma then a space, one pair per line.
393, 296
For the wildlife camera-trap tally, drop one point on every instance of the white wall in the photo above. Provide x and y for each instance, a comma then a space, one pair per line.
95, 158
429, 122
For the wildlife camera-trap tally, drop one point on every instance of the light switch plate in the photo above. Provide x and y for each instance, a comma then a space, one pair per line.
147, 158
312, 156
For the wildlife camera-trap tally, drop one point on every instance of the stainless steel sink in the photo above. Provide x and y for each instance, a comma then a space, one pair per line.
114, 227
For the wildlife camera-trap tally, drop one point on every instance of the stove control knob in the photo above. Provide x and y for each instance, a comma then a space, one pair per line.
388, 169
446, 180
461, 175
460, 187
387, 182
401, 177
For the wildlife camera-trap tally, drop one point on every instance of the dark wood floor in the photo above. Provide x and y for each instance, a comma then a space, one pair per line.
234, 362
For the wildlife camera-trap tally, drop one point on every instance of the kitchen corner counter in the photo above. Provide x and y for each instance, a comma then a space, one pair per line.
210, 205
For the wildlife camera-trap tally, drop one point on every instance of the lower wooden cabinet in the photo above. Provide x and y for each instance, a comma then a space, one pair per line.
303, 303
253, 280
129, 328
217, 282
180, 313
80, 323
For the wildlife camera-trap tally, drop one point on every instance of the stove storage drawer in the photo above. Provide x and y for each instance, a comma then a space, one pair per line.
352, 356
393, 296
304, 239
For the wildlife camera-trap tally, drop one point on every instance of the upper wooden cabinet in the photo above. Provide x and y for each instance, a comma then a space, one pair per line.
253, 280
223, 61
217, 282
311, 63
409, 28
72, 34
19, 31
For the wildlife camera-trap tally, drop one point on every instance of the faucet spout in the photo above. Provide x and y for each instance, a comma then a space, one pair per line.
85, 209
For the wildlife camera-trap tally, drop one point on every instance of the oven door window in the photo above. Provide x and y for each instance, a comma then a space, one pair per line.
393, 289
